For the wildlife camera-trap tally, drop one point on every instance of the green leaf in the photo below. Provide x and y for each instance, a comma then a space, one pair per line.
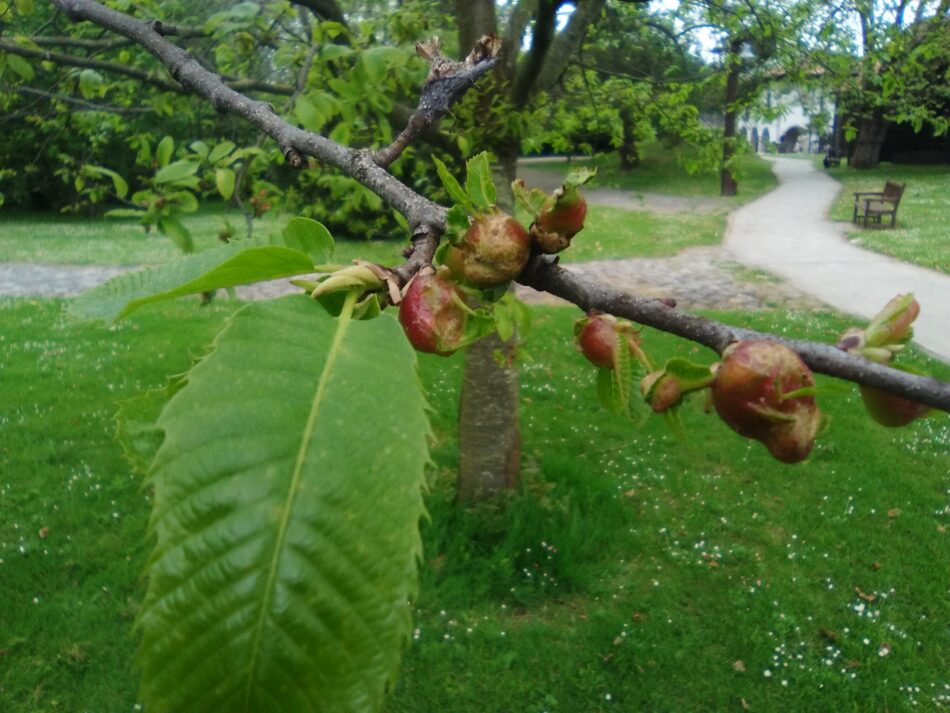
220, 151
124, 213
309, 115
135, 420
24, 7
578, 177
504, 323
200, 148
456, 223
224, 180
287, 541
239, 263
178, 233
20, 66
453, 187
309, 237
175, 172
531, 199
331, 51
118, 183
183, 201
608, 392
479, 185
163, 153
89, 83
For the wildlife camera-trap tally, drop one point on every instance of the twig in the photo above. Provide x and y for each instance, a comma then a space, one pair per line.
545, 275
446, 84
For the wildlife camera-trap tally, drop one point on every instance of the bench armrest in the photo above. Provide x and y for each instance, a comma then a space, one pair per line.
868, 193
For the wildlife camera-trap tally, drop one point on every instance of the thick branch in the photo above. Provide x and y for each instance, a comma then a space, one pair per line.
545, 275
564, 47
324, 9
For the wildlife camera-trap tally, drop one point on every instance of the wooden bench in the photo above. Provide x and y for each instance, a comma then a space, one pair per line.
871, 206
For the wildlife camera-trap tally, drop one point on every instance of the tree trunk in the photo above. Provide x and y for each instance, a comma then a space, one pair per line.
629, 154
489, 432
727, 182
867, 145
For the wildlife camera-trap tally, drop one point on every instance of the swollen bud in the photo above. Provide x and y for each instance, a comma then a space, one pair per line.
598, 336
762, 391
493, 251
890, 410
562, 214
433, 315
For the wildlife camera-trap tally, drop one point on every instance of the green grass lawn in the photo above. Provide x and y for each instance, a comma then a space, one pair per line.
659, 172
631, 572
610, 233
77, 240
921, 235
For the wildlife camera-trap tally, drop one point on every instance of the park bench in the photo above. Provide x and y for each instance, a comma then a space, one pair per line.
831, 159
871, 206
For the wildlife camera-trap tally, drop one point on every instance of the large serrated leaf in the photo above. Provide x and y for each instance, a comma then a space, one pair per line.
286, 532
228, 266
478, 182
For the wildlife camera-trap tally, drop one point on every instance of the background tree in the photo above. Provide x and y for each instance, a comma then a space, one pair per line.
888, 65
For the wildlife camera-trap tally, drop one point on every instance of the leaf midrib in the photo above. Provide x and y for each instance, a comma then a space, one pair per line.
292, 491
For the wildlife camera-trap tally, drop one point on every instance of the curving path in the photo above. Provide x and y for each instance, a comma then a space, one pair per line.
786, 232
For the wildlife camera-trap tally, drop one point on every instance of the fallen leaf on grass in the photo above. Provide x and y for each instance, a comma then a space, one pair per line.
828, 634
863, 595
894, 512
738, 666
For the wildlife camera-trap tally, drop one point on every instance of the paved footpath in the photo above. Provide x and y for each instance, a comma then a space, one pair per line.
786, 232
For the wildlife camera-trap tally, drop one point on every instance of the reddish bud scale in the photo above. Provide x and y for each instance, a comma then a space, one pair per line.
748, 394
890, 410
494, 251
431, 317
564, 214
599, 337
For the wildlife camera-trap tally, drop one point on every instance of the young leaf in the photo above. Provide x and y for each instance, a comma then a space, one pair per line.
121, 187
224, 180
163, 153
478, 182
531, 199
286, 533
179, 234
20, 66
454, 188
608, 392
239, 263
309, 237
220, 151
456, 223
175, 172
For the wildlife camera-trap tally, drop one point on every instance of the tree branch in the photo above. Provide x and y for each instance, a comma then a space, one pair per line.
427, 220
446, 84
545, 275
80, 104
